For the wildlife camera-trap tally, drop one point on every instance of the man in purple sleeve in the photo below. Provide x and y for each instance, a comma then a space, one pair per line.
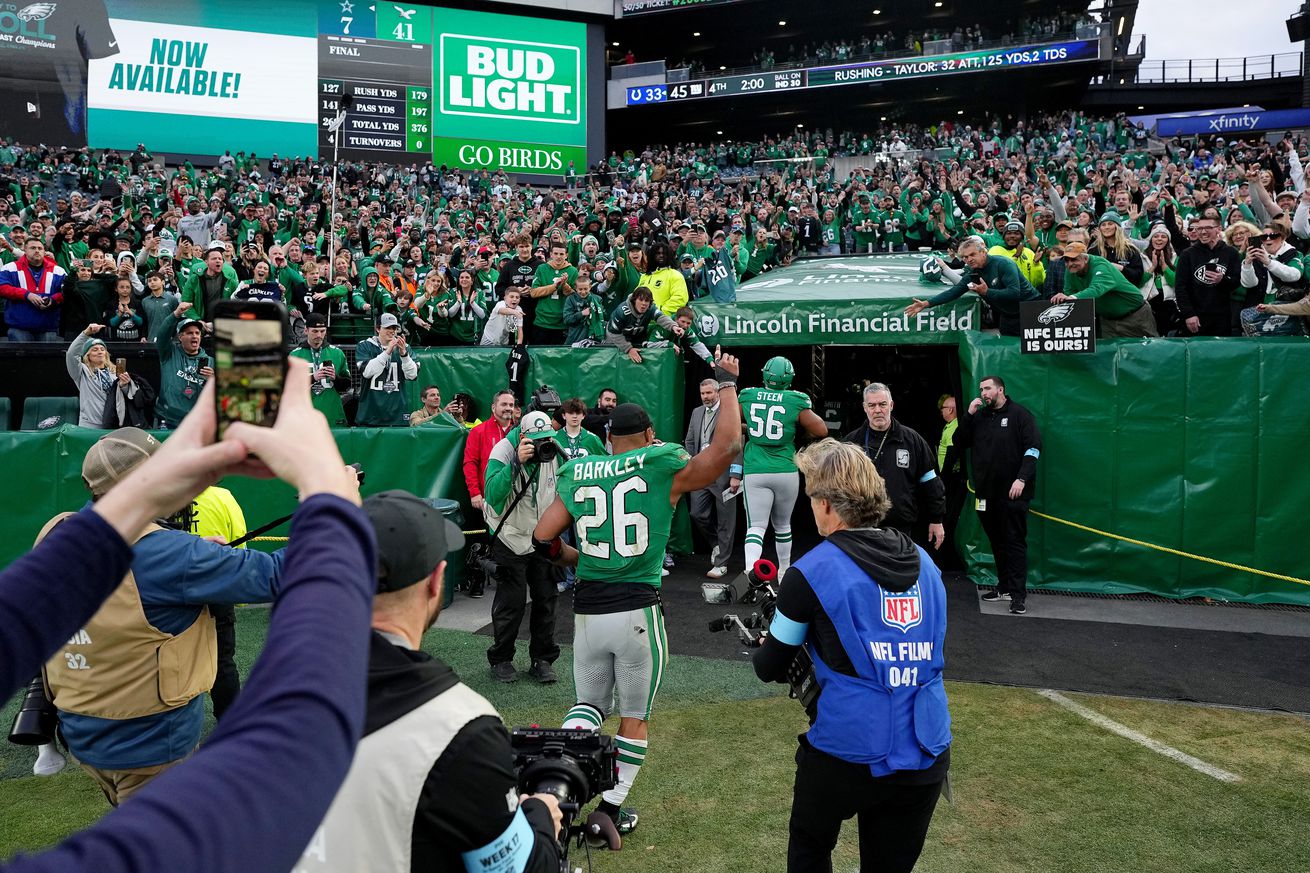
256, 768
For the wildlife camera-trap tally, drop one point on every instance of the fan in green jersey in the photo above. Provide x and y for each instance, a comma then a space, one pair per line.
772, 415
621, 507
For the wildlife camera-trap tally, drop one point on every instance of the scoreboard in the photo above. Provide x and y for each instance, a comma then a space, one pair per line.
866, 72
377, 60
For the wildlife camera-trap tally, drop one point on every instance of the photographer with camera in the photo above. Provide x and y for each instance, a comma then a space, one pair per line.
520, 486
421, 718
869, 607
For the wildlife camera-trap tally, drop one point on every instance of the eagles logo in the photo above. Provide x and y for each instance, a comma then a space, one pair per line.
1058, 312
36, 11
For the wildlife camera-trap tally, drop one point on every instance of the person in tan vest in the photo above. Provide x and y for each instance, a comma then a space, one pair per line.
130, 685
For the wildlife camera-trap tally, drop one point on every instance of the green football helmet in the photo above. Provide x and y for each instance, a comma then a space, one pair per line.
778, 373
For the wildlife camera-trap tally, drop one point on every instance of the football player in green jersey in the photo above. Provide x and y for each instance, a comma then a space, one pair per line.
623, 506
772, 414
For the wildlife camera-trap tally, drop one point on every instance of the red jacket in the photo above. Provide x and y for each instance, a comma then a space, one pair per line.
477, 451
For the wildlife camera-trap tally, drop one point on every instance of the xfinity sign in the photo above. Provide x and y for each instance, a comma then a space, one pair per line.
487, 77
1234, 122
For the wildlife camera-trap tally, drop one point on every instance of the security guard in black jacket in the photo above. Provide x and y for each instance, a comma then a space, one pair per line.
906, 463
1006, 445
432, 786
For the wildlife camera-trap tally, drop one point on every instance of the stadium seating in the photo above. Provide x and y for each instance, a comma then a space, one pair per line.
38, 412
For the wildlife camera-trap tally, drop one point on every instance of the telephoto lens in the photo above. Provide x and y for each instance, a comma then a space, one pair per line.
35, 723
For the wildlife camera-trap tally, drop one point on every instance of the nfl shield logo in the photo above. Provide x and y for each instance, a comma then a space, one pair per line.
903, 609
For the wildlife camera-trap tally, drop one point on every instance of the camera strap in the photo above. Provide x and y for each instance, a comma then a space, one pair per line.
523, 490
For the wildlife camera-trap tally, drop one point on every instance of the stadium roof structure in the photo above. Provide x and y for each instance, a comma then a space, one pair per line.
851, 300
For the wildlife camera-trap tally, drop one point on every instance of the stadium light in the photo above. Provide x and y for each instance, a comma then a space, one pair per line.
718, 133
615, 44
877, 12
782, 24
938, 4
884, 118
722, 67
959, 112
695, 33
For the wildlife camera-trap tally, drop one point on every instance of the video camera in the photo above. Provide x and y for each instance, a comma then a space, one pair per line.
574, 766
545, 399
761, 588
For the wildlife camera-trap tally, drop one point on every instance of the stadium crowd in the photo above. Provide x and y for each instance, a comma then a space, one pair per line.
108, 246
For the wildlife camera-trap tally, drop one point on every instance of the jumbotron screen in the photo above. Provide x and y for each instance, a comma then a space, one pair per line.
464, 88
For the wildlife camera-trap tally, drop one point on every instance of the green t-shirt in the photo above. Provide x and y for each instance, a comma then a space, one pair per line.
771, 428
586, 444
324, 396
623, 512
550, 309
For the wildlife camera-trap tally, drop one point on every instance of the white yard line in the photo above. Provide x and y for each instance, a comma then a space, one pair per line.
1137, 737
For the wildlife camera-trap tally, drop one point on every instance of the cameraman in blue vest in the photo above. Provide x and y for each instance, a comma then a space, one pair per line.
869, 607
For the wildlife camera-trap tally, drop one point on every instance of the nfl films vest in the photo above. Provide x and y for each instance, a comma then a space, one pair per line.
893, 715
371, 821
119, 666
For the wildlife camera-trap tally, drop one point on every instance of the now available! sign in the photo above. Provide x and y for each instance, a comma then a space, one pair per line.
511, 93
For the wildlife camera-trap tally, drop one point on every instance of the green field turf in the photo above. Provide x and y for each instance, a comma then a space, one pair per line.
1037, 788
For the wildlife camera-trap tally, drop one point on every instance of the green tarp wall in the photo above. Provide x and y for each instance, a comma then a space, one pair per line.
43, 468
1197, 445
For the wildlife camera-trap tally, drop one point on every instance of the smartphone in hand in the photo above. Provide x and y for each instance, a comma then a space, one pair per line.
250, 361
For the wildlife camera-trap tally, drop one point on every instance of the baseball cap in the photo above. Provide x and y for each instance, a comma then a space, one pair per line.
719, 233
536, 425
1064, 223
628, 419
189, 322
388, 320
114, 456
413, 538
216, 247
688, 258
316, 319
1109, 216
1074, 250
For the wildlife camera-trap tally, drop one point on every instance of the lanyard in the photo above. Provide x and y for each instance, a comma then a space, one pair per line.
881, 443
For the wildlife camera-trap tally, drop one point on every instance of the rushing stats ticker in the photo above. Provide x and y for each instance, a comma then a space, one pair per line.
866, 72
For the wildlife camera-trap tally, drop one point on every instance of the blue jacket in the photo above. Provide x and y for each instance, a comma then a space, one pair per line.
892, 713
176, 573
22, 314
255, 768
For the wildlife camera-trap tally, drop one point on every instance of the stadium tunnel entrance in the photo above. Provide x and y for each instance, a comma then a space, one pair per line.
835, 376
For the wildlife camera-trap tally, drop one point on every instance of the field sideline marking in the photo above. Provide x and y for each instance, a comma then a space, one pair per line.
1137, 737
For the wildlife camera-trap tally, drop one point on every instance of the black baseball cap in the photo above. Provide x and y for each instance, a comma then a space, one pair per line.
413, 538
628, 419
316, 319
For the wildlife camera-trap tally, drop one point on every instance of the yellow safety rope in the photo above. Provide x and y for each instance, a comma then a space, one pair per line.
1181, 554
467, 533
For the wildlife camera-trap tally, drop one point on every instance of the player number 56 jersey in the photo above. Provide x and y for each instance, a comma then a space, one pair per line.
621, 511
770, 415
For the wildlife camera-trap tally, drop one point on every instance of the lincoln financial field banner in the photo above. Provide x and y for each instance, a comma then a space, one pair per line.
839, 301
201, 76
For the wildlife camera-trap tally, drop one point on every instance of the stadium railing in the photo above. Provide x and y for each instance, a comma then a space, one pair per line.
1201, 70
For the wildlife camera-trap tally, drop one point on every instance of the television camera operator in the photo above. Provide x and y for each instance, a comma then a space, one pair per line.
878, 746
432, 786
520, 486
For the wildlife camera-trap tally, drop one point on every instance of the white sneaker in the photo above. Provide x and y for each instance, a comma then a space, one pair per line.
48, 760
664, 572
714, 556
717, 572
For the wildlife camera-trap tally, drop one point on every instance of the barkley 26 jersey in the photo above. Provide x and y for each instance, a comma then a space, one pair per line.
621, 510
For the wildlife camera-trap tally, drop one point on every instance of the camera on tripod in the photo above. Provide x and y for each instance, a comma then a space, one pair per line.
761, 587
574, 766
